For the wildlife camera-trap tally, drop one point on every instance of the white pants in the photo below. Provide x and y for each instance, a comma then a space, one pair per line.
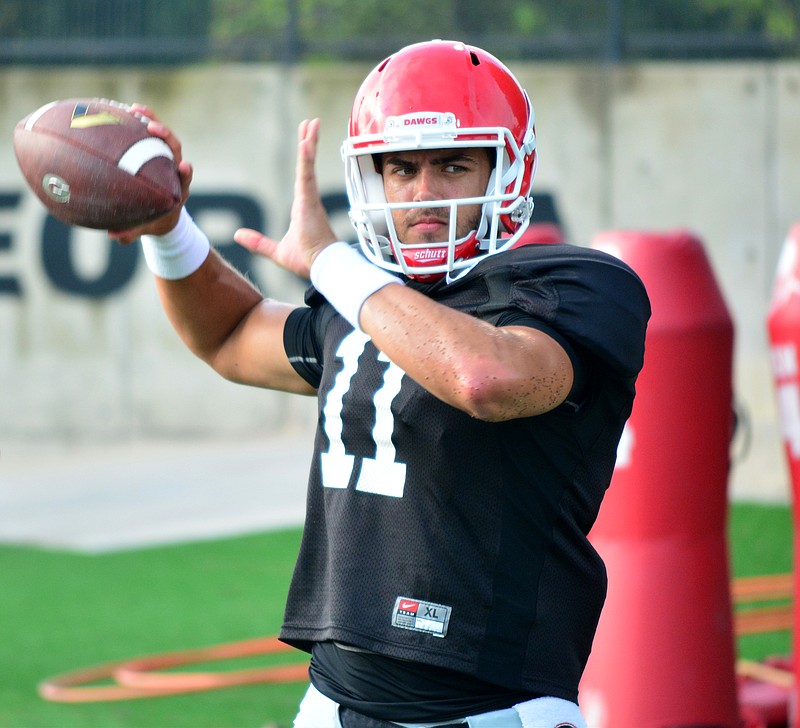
319, 711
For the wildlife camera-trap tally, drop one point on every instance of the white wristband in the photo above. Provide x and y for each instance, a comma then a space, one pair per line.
179, 253
347, 279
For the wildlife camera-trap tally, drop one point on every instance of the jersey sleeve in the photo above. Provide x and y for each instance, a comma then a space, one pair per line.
302, 344
590, 298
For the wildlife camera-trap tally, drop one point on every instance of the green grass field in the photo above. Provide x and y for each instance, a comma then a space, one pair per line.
64, 611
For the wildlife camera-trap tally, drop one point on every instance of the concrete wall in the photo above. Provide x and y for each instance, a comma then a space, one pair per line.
88, 355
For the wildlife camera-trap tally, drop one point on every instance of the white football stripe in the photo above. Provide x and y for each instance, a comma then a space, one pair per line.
34, 117
142, 152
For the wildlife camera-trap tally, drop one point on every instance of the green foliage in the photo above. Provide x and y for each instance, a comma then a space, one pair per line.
271, 29
376, 27
246, 19
452, 18
778, 18
338, 18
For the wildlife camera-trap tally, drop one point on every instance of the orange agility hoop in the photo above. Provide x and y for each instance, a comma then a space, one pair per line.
141, 677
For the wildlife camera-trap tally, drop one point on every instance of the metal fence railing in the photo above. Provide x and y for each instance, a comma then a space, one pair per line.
146, 32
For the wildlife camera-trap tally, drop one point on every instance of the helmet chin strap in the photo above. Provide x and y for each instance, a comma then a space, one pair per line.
483, 227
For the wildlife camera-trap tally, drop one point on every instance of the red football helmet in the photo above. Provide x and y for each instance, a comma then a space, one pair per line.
440, 95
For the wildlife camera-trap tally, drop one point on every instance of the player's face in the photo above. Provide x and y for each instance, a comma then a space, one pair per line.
434, 174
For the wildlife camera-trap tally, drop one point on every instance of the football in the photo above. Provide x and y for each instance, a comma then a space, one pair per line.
93, 164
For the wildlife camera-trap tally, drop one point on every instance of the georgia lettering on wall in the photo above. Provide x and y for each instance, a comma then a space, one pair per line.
56, 242
56, 246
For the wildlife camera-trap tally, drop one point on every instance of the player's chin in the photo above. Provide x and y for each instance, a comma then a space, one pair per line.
424, 234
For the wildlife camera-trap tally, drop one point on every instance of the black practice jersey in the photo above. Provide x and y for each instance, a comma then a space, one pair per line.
435, 537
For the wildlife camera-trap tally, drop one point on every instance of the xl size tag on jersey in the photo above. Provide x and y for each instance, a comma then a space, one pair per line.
421, 616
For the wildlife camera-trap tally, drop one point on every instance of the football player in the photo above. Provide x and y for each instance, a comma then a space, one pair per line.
471, 394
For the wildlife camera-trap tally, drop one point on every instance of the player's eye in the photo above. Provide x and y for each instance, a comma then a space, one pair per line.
403, 170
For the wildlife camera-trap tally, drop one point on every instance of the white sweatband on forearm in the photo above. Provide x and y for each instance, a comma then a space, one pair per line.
347, 279
179, 253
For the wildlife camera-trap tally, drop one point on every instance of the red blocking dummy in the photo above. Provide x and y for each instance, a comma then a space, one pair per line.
664, 652
783, 324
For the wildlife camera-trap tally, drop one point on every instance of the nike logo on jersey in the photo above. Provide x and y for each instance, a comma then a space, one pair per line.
420, 616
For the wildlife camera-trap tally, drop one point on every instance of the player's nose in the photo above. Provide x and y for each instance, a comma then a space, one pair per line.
426, 185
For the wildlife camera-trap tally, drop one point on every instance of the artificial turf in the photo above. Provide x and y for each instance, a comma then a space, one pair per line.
62, 611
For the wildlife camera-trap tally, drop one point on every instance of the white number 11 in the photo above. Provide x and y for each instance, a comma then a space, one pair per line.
381, 474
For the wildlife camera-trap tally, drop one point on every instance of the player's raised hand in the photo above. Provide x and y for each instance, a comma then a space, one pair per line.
309, 228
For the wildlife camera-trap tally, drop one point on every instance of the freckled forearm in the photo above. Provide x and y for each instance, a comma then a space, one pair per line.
490, 373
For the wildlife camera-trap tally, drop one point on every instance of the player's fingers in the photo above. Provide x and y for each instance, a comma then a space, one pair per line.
186, 174
255, 241
143, 111
309, 140
162, 131
305, 176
